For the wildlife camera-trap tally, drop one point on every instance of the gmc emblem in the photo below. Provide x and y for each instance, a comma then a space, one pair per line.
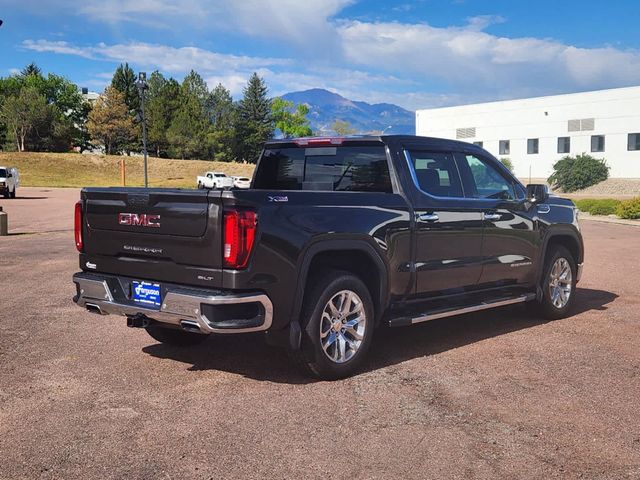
139, 220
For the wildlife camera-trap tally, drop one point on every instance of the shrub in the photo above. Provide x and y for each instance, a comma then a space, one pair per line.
507, 163
629, 209
575, 173
604, 206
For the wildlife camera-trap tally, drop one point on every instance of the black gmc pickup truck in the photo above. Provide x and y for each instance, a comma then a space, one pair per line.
335, 237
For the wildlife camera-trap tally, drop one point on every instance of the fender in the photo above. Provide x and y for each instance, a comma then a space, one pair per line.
554, 231
322, 245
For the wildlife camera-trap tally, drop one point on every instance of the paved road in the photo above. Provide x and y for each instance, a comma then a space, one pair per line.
499, 394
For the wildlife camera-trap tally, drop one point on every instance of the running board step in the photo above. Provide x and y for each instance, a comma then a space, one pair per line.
450, 312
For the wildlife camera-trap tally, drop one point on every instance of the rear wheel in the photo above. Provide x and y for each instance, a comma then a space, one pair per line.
337, 322
175, 337
558, 283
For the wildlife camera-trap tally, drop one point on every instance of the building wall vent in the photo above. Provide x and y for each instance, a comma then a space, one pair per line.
574, 126
465, 133
587, 124
581, 125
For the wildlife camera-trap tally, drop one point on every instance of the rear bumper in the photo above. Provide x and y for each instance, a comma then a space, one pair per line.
190, 308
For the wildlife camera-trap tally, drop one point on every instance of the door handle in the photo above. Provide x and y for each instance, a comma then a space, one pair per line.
491, 216
428, 217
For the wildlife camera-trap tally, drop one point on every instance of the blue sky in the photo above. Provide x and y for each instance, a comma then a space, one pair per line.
416, 54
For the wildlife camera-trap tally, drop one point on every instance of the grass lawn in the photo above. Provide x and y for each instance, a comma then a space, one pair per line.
76, 170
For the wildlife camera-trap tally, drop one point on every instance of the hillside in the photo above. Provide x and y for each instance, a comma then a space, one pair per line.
326, 107
75, 170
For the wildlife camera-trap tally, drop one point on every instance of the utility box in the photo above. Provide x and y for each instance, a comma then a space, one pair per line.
4, 223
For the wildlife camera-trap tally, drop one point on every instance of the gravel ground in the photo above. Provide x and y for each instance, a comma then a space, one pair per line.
499, 394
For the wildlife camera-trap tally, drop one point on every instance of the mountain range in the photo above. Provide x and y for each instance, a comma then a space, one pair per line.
326, 107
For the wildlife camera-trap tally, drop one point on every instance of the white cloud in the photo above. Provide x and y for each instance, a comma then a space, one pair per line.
373, 61
472, 60
165, 58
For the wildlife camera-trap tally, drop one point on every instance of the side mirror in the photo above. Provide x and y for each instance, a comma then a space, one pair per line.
537, 193
9, 175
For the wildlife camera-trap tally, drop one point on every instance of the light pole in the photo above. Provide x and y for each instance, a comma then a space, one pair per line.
142, 86
390, 126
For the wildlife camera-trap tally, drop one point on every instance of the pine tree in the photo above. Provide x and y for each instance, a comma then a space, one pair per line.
124, 80
254, 124
163, 99
110, 123
222, 115
31, 69
187, 133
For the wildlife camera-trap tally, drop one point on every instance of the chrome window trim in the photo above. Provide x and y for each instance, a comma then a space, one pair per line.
414, 178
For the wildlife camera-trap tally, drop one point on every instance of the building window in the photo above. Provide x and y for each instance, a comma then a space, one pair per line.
597, 143
634, 142
505, 147
564, 144
479, 144
532, 146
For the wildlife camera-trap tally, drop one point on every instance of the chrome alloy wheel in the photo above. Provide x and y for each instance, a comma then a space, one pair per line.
342, 326
560, 283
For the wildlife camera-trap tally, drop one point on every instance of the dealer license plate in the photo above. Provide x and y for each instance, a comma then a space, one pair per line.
147, 294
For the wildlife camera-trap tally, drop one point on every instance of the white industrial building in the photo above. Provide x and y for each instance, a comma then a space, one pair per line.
536, 132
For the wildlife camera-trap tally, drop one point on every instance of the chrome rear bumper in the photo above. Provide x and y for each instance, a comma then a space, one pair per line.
181, 306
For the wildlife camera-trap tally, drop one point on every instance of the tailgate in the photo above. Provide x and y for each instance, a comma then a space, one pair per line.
168, 226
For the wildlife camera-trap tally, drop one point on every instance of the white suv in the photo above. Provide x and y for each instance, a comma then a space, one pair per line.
9, 181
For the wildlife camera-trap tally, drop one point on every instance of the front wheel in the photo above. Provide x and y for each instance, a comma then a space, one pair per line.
13, 194
175, 337
558, 283
337, 321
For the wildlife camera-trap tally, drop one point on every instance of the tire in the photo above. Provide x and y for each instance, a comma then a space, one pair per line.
200, 187
175, 337
558, 290
13, 194
334, 344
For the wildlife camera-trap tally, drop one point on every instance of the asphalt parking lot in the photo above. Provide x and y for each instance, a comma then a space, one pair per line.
498, 394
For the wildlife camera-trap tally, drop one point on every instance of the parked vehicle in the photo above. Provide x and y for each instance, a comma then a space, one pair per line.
335, 237
241, 182
214, 180
9, 181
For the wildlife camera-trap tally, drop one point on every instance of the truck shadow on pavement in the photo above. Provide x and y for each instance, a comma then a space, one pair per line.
250, 356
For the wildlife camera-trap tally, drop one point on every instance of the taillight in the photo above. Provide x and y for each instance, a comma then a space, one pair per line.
77, 227
238, 236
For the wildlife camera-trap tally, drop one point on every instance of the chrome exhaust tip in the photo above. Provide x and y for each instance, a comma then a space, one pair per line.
93, 308
190, 326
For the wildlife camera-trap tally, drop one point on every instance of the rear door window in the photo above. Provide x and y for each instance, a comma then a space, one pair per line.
357, 168
436, 173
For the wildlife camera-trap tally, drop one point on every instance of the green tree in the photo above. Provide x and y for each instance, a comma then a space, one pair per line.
162, 103
187, 133
221, 112
23, 114
290, 119
254, 123
31, 69
110, 123
342, 128
124, 80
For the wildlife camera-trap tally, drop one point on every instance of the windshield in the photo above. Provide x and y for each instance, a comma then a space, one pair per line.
3, 173
357, 168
